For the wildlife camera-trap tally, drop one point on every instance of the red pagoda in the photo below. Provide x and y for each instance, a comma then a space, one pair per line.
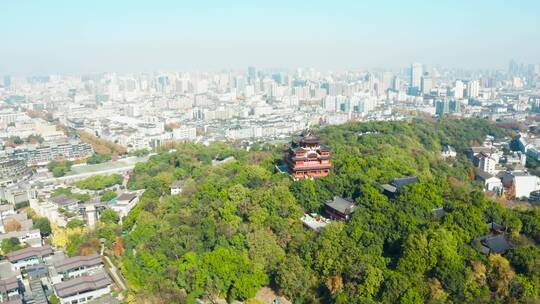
307, 158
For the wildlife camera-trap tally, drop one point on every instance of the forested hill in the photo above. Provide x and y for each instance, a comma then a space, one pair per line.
236, 226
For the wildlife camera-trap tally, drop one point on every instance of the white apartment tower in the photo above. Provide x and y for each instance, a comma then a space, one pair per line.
416, 75
473, 88
458, 89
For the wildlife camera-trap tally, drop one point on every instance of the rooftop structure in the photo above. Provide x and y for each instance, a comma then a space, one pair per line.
176, 187
314, 221
64, 200
29, 252
79, 287
339, 208
448, 152
78, 263
397, 184
125, 202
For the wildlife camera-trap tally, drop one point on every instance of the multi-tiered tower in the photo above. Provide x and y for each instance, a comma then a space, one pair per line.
307, 158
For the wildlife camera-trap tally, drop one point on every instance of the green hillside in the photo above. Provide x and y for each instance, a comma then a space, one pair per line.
236, 227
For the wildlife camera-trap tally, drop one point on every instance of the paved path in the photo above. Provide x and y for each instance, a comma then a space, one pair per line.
114, 272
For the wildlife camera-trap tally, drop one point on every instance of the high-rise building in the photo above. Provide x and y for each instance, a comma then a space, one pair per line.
473, 88
416, 75
458, 89
397, 84
7, 81
426, 83
252, 74
513, 68
387, 79
454, 106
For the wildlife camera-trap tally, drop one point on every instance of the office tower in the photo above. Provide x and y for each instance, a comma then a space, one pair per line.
397, 84
252, 74
7, 81
513, 68
426, 83
442, 107
455, 106
458, 89
387, 79
416, 75
473, 88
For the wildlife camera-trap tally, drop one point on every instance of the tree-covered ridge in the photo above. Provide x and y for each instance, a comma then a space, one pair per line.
236, 226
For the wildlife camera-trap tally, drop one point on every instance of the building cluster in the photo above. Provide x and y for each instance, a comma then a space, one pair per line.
27, 142
146, 110
502, 170
36, 274
34, 271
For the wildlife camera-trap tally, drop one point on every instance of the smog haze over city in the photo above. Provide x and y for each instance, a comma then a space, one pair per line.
269, 152
44, 37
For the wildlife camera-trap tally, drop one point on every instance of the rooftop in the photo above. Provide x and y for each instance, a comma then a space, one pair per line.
314, 221
177, 184
78, 261
25, 253
126, 196
82, 284
341, 205
404, 181
8, 284
497, 243
63, 200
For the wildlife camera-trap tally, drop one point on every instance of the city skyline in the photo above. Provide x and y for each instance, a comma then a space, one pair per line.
75, 38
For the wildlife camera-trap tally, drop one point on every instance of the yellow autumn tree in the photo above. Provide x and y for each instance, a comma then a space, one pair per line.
60, 236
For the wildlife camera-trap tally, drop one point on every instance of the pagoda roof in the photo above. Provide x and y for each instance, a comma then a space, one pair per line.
310, 139
341, 205
324, 148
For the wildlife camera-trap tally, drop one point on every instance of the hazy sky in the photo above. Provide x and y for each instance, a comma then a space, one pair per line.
76, 36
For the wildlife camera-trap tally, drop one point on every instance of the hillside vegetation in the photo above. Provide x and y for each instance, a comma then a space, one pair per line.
236, 227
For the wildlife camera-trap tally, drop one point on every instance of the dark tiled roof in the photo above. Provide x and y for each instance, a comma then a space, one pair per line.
404, 181
483, 175
25, 253
37, 271
63, 200
324, 148
78, 261
497, 244
439, 212
126, 196
82, 284
341, 205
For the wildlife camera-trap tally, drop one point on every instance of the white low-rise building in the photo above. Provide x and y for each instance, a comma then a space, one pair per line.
448, 152
48, 210
520, 183
20, 259
84, 288
77, 266
125, 202
30, 237
176, 187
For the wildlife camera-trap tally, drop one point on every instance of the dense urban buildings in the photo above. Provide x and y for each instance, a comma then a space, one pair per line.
71, 146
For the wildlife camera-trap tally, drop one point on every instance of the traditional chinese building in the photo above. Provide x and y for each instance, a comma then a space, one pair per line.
307, 158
